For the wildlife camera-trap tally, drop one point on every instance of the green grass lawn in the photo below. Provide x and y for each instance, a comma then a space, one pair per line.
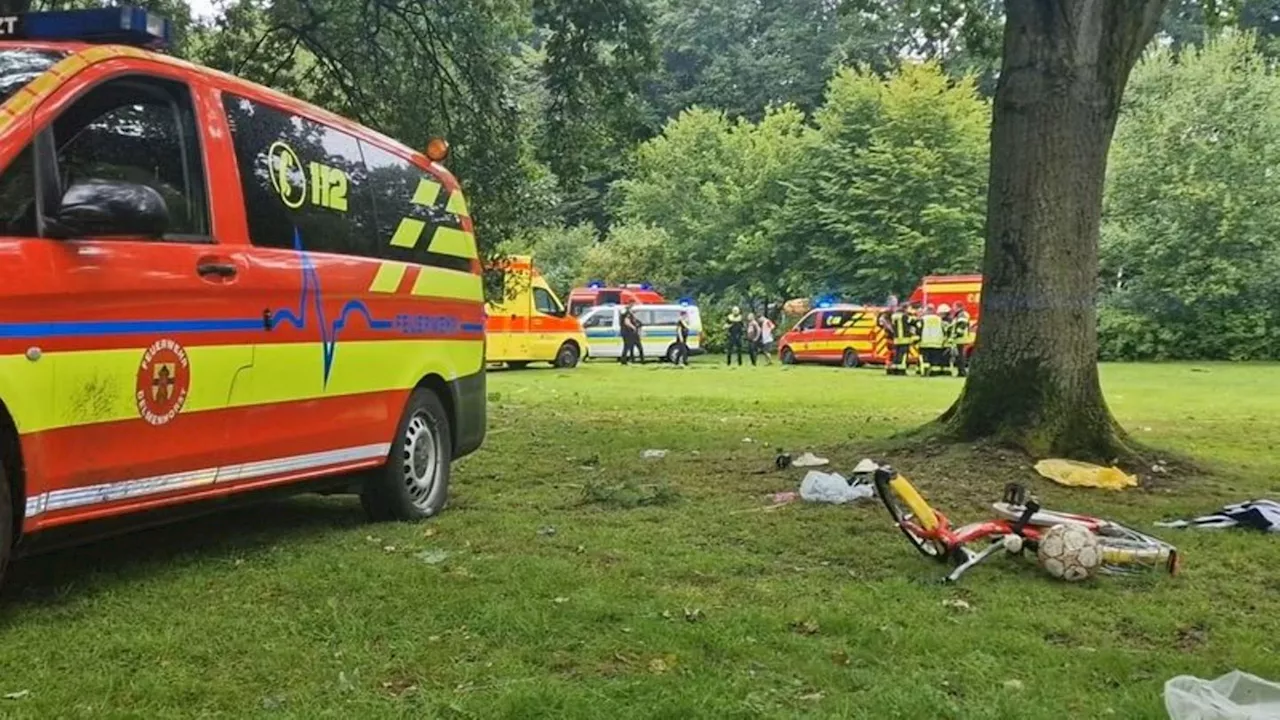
572, 579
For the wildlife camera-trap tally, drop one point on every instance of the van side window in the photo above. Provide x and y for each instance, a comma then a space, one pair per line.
809, 322
599, 320
300, 176
666, 317
413, 219
544, 302
140, 130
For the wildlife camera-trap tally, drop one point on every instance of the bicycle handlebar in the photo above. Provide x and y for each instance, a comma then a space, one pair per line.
1032, 507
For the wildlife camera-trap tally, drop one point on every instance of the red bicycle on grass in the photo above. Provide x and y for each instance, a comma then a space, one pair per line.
1068, 546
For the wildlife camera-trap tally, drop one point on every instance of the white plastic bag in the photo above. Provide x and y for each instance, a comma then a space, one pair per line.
1234, 696
831, 488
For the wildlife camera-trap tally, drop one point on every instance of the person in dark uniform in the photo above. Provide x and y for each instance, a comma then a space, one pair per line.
630, 337
733, 332
681, 358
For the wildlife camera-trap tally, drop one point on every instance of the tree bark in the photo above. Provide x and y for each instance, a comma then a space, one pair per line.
1034, 379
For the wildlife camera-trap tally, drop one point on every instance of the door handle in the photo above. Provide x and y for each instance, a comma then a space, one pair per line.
216, 269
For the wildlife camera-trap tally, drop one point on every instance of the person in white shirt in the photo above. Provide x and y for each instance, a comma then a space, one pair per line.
766, 338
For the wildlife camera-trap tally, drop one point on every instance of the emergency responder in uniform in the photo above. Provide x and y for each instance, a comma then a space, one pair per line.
884, 321
948, 342
901, 341
913, 329
931, 342
962, 336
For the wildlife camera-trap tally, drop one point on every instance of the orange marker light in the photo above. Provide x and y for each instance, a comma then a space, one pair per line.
437, 149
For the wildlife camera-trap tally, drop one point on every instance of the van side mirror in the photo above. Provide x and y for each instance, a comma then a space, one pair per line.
110, 207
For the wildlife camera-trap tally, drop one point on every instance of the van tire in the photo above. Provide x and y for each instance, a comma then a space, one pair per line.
850, 358
6, 522
414, 484
788, 357
672, 352
567, 357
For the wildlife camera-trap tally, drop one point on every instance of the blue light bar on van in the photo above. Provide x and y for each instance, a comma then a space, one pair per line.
646, 286
686, 301
123, 25
595, 285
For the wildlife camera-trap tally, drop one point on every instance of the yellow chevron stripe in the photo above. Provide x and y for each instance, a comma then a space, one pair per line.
407, 233
388, 277
439, 282
427, 192
99, 385
451, 241
457, 204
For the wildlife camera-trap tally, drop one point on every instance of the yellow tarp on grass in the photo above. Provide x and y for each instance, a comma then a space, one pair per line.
1078, 474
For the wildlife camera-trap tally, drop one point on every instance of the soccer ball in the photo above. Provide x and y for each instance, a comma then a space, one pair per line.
1069, 552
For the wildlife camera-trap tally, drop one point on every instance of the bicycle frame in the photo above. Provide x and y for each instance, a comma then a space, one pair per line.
1017, 517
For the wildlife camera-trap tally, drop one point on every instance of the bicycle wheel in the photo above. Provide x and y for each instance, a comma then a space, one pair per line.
905, 504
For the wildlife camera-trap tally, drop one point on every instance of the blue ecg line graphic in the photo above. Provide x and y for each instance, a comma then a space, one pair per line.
328, 333
310, 301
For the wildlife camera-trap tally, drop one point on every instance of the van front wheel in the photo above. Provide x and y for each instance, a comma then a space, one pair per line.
414, 484
567, 356
788, 357
850, 359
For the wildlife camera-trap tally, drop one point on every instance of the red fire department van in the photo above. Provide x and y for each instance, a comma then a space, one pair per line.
208, 289
583, 299
839, 334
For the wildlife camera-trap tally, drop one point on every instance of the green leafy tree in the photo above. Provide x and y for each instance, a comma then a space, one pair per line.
633, 253
894, 188
1191, 239
714, 185
741, 58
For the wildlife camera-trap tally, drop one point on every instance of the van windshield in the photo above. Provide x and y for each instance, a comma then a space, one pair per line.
19, 66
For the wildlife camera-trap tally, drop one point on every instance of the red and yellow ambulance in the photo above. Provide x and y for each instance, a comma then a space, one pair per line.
953, 291
209, 289
528, 324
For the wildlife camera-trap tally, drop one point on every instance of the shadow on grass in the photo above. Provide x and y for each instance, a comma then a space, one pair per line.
58, 575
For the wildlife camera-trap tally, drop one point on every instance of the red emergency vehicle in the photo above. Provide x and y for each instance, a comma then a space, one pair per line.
585, 298
209, 288
838, 334
952, 290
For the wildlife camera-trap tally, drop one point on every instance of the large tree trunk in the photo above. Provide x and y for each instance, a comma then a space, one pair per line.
1034, 380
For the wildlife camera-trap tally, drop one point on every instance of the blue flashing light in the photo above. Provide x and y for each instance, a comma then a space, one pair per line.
826, 301
646, 286
595, 285
686, 301
125, 25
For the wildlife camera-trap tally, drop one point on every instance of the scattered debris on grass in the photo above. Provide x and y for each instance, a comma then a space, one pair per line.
434, 556
957, 605
1079, 474
1014, 685
17, 695
660, 665
629, 495
560, 600
547, 530
782, 461
273, 702
809, 460
694, 615
1262, 515
832, 488
653, 454
1234, 696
